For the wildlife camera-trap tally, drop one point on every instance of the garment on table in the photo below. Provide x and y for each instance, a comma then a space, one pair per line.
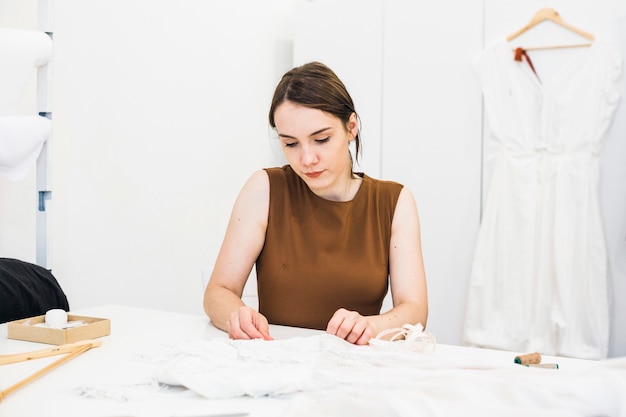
539, 274
323, 375
320, 255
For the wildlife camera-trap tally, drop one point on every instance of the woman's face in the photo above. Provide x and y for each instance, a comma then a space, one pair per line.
315, 144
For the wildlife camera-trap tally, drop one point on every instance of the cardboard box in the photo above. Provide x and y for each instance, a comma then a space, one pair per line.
26, 329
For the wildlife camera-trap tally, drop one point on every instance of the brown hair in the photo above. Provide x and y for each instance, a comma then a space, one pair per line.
316, 86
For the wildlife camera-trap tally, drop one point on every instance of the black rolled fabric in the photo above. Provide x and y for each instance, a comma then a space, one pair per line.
28, 290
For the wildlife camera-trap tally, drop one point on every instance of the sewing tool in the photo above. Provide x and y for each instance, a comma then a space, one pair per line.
533, 360
530, 358
72, 350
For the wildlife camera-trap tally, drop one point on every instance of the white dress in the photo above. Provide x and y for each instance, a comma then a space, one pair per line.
539, 274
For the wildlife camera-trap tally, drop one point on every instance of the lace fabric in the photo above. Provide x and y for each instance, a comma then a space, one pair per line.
408, 337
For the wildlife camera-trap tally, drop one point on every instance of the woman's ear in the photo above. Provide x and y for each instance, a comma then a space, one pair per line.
353, 125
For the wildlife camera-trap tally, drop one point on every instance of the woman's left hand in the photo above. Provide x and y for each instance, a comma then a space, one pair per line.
351, 326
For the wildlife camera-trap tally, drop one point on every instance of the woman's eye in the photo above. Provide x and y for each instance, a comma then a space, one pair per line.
322, 140
290, 144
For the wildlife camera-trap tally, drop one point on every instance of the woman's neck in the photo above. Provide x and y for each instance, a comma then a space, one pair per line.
344, 189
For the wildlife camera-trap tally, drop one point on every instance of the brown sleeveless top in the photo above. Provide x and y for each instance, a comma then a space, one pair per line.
320, 255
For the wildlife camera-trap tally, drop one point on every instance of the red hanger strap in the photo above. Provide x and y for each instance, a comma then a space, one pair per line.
520, 54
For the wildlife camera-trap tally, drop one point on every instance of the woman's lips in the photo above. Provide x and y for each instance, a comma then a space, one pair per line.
314, 174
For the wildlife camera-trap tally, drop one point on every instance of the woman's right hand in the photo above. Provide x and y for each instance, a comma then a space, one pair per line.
247, 323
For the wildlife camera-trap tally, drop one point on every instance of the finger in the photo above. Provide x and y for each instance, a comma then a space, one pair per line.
361, 332
364, 339
259, 327
264, 330
348, 321
234, 328
335, 322
250, 323
252, 331
263, 326
266, 335
243, 323
357, 331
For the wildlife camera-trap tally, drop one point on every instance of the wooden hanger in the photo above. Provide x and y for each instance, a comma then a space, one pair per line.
550, 14
72, 350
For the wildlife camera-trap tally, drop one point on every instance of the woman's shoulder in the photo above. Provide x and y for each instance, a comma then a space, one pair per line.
380, 184
281, 171
256, 184
283, 176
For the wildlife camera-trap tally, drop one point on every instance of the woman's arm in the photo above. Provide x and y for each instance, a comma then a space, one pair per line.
407, 281
406, 266
242, 244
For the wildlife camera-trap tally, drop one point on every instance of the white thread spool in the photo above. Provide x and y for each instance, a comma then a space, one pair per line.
56, 317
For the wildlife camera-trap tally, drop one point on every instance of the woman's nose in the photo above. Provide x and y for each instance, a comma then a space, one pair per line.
308, 155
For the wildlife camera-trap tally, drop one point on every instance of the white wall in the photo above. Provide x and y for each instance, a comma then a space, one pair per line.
347, 36
160, 114
432, 140
160, 118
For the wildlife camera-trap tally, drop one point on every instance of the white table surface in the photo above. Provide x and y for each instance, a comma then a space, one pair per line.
124, 382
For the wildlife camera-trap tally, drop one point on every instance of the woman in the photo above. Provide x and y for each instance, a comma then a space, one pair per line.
326, 241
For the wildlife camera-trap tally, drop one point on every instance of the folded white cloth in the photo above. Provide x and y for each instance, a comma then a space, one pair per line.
224, 368
21, 139
21, 52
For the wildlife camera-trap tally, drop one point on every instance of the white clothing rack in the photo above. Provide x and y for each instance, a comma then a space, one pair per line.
24, 138
44, 108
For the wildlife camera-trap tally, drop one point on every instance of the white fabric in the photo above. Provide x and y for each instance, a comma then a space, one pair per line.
408, 337
324, 375
21, 140
224, 368
21, 52
539, 275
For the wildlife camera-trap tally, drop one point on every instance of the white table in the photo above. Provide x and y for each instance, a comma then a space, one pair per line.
133, 331
122, 383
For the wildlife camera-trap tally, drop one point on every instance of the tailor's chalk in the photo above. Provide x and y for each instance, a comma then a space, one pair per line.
543, 365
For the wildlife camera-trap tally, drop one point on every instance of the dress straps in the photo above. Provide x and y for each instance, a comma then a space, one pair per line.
520, 54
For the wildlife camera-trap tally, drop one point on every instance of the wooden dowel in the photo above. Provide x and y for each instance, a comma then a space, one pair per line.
43, 353
540, 48
78, 350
